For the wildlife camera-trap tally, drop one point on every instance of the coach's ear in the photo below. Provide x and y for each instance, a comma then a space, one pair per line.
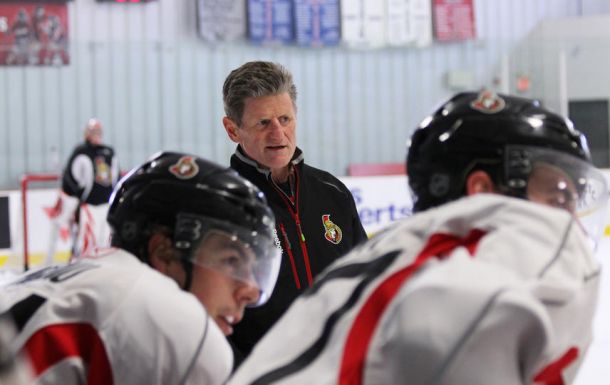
231, 128
479, 182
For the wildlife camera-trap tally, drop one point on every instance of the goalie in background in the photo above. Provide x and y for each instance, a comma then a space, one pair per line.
87, 182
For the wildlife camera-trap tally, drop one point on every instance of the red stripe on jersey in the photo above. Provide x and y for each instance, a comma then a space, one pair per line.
54, 343
551, 374
365, 323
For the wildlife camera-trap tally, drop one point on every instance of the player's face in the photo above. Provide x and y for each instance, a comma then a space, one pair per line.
95, 137
222, 279
268, 130
569, 183
551, 186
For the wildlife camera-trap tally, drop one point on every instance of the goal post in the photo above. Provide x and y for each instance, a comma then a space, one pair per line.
26, 181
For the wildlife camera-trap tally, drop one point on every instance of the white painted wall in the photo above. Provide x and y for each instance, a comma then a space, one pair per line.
142, 70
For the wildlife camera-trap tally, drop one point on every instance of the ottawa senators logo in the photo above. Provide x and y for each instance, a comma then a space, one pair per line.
185, 168
332, 232
488, 103
102, 172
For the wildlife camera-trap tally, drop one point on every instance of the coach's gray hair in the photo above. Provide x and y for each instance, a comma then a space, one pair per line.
255, 79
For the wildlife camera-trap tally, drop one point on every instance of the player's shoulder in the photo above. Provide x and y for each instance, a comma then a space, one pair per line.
108, 148
104, 150
148, 287
81, 148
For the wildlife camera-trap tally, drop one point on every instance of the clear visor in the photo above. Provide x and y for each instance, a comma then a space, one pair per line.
564, 181
248, 257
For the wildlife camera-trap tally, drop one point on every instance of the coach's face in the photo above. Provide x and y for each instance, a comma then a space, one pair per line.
268, 132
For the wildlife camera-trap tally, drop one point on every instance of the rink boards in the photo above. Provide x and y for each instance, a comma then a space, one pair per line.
380, 200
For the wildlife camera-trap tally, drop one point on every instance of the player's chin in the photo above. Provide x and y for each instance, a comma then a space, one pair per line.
225, 325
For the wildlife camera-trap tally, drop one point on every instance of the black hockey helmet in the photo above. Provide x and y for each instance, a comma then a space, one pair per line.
191, 197
473, 131
507, 137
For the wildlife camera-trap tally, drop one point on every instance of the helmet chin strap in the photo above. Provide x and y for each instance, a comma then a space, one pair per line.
188, 269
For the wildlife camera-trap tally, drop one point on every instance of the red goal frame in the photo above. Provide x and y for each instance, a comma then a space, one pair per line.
26, 179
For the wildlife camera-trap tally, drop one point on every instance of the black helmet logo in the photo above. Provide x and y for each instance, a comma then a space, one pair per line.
488, 103
185, 168
439, 184
129, 230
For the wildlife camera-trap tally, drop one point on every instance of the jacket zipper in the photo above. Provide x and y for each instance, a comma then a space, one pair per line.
295, 216
304, 249
289, 251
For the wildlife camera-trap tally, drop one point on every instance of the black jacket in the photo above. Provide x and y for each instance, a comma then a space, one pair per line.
325, 212
99, 188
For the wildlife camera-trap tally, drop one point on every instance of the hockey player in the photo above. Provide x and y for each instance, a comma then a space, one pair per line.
491, 288
187, 232
91, 173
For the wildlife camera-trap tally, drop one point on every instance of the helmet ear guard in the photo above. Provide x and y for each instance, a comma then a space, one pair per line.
188, 231
517, 168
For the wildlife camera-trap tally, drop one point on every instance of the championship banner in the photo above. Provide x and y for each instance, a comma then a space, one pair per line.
221, 20
317, 22
363, 23
270, 21
409, 22
34, 34
453, 20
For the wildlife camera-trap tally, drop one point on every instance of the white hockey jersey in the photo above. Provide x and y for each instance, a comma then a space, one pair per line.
112, 319
485, 290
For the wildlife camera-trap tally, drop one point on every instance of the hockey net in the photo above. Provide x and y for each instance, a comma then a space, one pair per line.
39, 197
57, 227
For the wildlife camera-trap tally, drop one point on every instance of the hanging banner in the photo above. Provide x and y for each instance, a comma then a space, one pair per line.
317, 22
421, 22
363, 23
34, 34
409, 22
270, 21
399, 28
221, 20
453, 20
